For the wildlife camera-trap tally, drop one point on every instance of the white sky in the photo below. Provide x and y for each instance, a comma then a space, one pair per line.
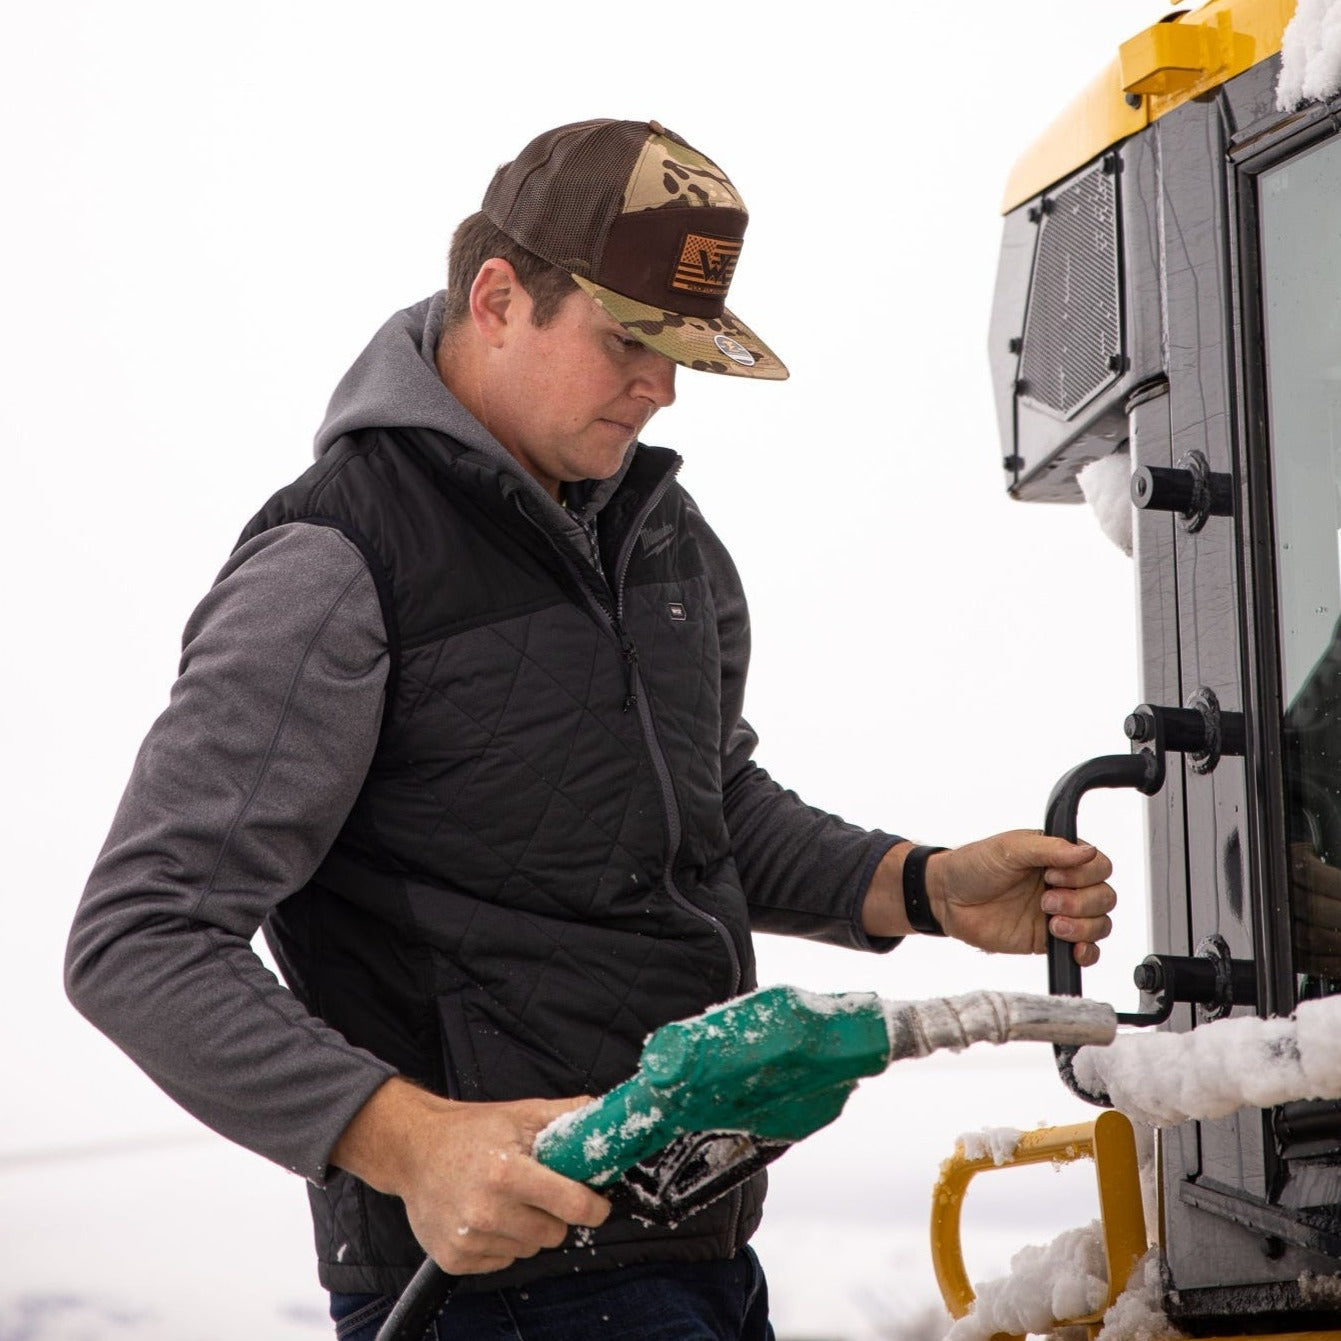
210, 209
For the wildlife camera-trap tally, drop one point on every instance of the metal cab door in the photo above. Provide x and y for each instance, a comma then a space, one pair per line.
1241, 610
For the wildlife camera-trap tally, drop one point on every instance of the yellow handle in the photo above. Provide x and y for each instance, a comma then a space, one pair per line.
1109, 1142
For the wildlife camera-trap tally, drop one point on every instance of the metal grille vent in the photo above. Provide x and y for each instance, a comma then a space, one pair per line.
1073, 324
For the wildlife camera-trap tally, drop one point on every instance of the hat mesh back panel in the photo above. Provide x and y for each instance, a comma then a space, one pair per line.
1073, 324
568, 197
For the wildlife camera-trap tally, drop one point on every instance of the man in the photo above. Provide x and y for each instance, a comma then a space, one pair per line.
460, 725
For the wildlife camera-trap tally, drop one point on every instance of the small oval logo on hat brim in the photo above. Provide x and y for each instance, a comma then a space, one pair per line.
734, 350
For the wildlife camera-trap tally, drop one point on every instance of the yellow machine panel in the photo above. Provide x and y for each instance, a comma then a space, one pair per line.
1159, 69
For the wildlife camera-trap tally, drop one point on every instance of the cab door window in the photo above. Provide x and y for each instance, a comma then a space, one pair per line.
1300, 231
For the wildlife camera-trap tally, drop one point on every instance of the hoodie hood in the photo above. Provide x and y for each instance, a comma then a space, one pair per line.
394, 383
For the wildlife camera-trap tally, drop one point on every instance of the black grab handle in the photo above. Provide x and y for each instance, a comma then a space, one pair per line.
430, 1289
1142, 770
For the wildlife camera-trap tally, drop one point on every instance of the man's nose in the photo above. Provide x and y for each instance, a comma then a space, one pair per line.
656, 381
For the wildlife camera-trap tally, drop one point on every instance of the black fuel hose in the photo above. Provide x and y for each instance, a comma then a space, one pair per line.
419, 1304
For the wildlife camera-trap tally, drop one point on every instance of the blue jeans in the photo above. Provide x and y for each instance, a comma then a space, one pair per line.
672, 1301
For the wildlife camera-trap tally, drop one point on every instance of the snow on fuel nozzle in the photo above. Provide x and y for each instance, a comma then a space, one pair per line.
717, 1097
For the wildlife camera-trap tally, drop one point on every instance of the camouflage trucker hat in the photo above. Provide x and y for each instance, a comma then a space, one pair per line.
647, 226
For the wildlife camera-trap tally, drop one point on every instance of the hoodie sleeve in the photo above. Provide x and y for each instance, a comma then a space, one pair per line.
235, 797
805, 872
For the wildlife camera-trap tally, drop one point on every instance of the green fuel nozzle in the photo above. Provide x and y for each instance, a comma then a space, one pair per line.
780, 1063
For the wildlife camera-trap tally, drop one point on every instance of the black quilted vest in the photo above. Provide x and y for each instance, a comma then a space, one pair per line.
537, 871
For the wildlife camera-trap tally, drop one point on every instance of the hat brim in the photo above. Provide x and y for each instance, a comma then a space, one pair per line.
707, 344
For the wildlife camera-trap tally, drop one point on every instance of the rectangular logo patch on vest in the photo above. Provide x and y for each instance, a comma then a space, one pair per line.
677, 611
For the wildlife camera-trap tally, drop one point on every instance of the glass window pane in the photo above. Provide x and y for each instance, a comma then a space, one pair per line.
1300, 205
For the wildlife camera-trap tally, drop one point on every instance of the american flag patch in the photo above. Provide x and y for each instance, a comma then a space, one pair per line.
706, 264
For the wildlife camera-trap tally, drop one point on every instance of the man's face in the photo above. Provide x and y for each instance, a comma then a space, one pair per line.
575, 393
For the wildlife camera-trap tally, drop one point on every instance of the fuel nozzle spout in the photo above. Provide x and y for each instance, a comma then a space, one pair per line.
917, 1028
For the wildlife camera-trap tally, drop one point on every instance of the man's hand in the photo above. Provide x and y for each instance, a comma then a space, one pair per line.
475, 1197
1004, 894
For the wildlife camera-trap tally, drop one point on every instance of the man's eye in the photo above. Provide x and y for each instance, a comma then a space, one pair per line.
627, 343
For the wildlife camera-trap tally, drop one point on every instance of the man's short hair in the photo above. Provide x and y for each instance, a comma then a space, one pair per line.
475, 241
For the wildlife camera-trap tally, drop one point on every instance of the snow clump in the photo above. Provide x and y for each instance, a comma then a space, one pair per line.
1315, 1289
1310, 54
1137, 1313
1164, 1079
1066, 1278
1106, 484
998, 1143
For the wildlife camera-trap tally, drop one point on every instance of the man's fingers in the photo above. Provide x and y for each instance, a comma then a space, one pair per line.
1088, 902
1085, 954
458, 1264
474, 1241
470, 1252
1081, 916
479, 1199
518, 1211
1031, 848
541, 1112
1063, 862
1093, 870
572, 1202
523, 1230
1082, 931
565, 1200
520, 1183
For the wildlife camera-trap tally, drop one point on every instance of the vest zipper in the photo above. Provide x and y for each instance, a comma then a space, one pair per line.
675, 832
674, 828
613, 616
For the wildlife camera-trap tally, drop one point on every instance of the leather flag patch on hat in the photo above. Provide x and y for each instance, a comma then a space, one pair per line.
706, 264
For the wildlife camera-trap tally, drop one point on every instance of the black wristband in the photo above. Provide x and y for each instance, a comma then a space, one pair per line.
916, 904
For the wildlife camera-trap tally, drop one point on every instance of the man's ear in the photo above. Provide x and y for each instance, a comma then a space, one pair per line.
497, 300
